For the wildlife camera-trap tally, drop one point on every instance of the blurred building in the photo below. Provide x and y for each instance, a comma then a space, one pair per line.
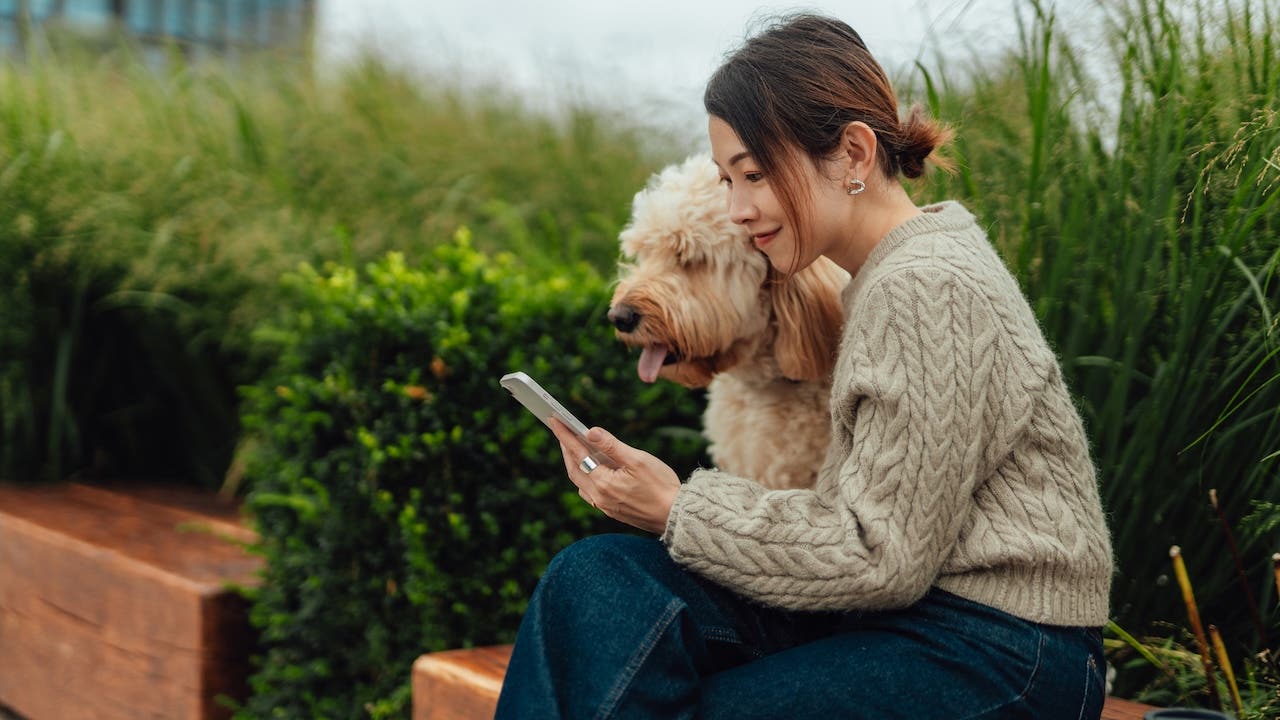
198, 28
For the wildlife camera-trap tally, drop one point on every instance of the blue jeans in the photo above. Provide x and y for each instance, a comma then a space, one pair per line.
616, 629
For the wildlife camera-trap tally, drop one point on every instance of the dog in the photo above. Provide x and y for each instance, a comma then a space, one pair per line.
707, 309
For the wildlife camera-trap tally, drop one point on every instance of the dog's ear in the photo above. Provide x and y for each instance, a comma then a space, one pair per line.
809, 318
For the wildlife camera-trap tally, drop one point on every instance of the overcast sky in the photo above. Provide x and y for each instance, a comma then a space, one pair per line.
650, 57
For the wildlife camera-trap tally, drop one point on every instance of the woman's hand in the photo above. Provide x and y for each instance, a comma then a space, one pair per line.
639, 492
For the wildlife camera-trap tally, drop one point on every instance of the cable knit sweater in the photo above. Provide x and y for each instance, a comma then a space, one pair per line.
957, 457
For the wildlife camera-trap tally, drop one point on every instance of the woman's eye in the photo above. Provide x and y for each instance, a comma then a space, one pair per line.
726, 181
754, 177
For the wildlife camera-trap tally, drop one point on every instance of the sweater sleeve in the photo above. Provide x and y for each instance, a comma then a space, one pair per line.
915, 422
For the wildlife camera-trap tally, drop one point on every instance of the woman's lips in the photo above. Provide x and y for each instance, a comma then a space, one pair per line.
765, 238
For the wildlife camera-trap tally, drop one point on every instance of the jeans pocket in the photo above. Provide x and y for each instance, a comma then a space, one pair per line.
726, 649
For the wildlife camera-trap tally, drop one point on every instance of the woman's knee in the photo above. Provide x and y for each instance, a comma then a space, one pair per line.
604, 562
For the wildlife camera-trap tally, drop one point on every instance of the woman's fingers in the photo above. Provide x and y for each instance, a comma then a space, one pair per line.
638, 492
604, 441
572, 451
571, 446
598, 485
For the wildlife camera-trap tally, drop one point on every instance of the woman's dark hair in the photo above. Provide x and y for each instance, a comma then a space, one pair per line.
798, 83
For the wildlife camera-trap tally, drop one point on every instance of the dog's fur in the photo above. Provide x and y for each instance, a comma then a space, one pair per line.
763, 345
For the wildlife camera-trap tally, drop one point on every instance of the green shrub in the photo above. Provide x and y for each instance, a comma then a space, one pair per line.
406, 503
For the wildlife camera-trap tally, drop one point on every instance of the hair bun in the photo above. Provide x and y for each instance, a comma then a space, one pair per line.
912, 165
920, 138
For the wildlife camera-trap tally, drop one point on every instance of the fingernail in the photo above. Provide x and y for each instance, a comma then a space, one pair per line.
595, 434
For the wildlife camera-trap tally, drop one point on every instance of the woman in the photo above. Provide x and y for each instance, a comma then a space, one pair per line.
952, 560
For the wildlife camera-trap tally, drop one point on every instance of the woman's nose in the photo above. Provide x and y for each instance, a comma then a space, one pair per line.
741, 209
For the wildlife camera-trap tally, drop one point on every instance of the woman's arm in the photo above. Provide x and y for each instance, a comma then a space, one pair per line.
922, 411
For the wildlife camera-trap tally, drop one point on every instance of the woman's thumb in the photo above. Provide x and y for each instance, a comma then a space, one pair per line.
605, 442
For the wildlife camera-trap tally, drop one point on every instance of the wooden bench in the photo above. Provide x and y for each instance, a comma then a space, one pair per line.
464, 685
114, 602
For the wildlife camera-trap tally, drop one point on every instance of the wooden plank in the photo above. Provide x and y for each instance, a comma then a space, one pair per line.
181, 543
1117, 709
113, 605
464, 685
459, 684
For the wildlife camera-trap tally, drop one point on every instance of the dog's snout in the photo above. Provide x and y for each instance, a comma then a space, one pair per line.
624, 317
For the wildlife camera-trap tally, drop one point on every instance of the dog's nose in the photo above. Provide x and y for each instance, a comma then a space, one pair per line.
624, 317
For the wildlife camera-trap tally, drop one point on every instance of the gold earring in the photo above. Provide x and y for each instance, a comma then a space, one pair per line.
856, 186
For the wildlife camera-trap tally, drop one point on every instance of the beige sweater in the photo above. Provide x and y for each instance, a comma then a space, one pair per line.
957, 458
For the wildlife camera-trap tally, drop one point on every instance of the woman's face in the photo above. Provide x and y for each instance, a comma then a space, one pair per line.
754, 205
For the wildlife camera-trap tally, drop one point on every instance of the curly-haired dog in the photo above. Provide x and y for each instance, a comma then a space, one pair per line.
707, 309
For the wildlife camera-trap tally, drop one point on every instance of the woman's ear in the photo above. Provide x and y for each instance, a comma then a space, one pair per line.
858, 144
809, 317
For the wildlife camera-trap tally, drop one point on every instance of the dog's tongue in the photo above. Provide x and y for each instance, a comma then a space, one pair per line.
651, 359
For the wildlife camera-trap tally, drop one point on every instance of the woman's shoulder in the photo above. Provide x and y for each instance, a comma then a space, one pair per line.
943, 237
947, 264
943, 247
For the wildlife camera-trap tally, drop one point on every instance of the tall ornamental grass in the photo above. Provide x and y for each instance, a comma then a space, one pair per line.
1135, 198
146, 216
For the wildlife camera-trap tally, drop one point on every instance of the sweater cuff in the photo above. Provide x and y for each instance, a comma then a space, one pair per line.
672, 518
683, 497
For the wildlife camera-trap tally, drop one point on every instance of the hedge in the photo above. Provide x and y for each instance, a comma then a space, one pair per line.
405, 502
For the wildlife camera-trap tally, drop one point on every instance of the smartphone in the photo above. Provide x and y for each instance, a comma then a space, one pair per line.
544, 406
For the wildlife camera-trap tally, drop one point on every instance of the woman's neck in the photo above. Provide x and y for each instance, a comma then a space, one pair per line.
873, 214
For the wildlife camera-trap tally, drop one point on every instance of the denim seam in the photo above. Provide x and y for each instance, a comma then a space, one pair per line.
637, 659
1035, 674
1035, 671
721, 634
730, 636
1088, 675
